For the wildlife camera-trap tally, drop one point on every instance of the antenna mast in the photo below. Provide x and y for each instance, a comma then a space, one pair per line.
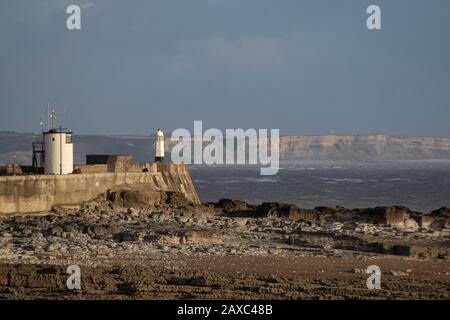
51, 118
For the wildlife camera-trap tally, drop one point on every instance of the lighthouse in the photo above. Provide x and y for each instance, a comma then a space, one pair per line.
58, 148
159, 152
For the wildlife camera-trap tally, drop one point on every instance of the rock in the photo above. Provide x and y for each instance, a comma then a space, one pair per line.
421, 251
357, 270
183, 220
425, 221
396, 273
27, 231
228, 205
204, 210
100, 231
6, 236
443, 212
200, 237
50, 247
126, 236
133, 212
29, 247
37, 235
68, 228
134, 198
56, 231
285, 210
5, 239
411, 225
145, 199
396, 216
64, 210
441, 219
176, 199
241, 222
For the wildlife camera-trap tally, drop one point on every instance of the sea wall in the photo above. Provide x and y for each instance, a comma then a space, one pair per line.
39, 193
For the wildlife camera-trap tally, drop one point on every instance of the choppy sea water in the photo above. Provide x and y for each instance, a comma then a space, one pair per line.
419, 185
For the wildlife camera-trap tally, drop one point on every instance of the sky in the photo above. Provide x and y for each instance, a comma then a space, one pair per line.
305, 67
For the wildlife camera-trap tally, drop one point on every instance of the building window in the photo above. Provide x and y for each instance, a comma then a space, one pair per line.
53, 139
68, 138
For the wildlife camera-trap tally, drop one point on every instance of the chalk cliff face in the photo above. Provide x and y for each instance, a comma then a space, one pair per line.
363, 148
16, 147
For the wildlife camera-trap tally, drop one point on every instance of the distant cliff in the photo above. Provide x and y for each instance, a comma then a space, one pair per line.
16, 147
363, 148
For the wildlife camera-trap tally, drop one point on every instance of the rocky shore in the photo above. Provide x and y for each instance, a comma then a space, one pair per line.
133, 244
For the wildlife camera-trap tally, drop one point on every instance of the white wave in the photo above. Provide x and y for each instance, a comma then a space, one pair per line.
349, 180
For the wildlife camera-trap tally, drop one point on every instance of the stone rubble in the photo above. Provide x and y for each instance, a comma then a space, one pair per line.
102, 232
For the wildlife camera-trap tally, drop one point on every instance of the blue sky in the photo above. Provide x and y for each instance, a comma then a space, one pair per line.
305, 67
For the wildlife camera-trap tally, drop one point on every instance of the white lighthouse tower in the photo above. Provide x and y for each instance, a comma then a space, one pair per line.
159, 152
58, 148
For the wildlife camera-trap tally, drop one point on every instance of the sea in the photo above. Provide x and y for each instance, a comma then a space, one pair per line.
419, 185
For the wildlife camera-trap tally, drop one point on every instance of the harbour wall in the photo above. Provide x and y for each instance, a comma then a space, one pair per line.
39, 193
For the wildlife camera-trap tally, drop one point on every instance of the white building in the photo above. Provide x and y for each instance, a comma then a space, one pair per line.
159, 152
58, 152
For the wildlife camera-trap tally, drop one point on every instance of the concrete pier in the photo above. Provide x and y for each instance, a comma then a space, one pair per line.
39, 193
